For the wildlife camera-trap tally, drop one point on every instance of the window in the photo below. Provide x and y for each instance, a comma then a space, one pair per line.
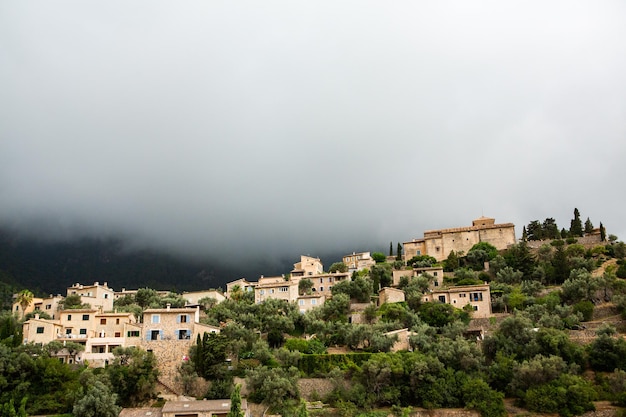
183, 318
301, 302
132, 333
39, 330
184, 334
85, 317
83, 331
442, 298
156, 319
48, 306
435, 273
436, 283
118, 334
106, 295
154, 335
262, 292
69, 317
103, 321
68, 331
284, 289
272, 291
313, 302
462, 295
476, 296
321, 288
117, 321
475, 308
419, 252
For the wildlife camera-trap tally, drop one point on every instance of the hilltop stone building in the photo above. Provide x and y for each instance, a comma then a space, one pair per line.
439, 243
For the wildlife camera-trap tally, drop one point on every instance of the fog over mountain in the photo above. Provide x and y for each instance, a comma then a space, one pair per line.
248, 133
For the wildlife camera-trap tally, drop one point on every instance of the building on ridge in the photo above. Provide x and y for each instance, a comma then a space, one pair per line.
439, 243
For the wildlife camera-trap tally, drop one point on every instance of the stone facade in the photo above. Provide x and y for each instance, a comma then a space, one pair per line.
358, 261
439, 243
477, 296
390, 295
169, 333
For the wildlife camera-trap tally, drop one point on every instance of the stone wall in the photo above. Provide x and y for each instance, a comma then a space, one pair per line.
169, 355
587, 241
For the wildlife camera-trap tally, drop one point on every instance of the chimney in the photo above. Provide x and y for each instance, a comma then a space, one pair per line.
36, 316
96, 283
168, 306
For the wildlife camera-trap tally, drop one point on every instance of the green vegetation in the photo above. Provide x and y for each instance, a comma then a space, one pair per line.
33, 377
528, 355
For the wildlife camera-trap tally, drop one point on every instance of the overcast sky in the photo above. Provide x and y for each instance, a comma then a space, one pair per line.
274, 128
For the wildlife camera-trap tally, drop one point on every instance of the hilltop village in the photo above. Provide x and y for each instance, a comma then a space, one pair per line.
474, 304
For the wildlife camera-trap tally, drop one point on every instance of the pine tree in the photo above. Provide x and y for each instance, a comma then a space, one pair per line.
524, 234
588, 226
576, 225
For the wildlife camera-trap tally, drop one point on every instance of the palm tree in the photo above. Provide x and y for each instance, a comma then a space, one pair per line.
236, 293
24, 298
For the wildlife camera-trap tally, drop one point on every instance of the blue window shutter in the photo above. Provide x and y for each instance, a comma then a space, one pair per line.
177, 334
178, 319
161, 334
147, 335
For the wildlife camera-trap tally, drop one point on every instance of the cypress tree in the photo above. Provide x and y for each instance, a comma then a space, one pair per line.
390, 248
399, 252
235, 403
602, 233
576, 225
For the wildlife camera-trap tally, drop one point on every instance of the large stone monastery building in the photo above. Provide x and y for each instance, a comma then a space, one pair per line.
439, 243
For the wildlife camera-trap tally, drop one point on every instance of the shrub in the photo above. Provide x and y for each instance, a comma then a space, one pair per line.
586, 308
321, 364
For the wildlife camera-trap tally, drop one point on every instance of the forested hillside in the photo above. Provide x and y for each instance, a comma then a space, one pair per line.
49, 267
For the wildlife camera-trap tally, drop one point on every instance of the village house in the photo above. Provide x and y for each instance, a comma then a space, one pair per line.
204, 408
194, 297
242, 283
96, 295
402, 339
358, 261
29, 308
308, 302
436, 272
307, 266
323, 283
476, 296
280, 288
439, 243
169, 333
40, 331
390, 295
111, 330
